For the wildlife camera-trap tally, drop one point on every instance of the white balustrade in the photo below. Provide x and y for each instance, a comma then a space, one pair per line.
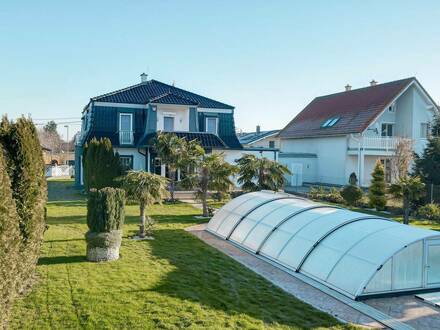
126, 137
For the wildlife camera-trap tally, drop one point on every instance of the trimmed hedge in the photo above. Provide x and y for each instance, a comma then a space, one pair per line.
105, 209
24, 194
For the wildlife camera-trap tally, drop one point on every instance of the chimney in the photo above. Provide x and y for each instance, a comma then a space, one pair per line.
144, 77
373, 82
258, 129
347, 87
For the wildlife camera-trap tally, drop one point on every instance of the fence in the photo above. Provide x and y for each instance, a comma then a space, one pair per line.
58, 171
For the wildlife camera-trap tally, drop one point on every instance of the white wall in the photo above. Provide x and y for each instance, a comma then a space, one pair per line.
423, 113
180, 114
264, 143
138, 159
331, 155
309, 167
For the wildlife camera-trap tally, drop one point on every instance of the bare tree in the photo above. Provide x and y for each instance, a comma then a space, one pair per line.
402, 159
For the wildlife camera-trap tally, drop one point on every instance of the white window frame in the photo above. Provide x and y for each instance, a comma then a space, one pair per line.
131, 127
169, 115
392, 108
393, 129
216, 125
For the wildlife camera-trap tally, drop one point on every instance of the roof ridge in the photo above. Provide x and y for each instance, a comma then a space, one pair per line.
366, 87
121, 90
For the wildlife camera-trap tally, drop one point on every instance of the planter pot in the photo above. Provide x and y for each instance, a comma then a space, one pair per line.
103, 246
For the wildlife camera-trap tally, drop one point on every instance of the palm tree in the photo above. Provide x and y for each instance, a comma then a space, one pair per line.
212, 173
147, 189
176, 153
260, 173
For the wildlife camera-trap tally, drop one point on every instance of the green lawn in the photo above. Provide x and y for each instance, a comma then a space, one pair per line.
175, 281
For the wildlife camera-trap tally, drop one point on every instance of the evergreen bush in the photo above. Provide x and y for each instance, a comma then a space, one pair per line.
351, 194
377, 189
105, 217
24, 193
105, 209
430, 212
101, 165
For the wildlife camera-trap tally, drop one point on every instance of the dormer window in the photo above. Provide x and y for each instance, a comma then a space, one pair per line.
211, 125
330, 122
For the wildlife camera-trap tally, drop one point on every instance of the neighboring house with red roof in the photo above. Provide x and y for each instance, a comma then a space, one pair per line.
347, 132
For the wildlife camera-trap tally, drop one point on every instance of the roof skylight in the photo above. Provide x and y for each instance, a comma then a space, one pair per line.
330, 122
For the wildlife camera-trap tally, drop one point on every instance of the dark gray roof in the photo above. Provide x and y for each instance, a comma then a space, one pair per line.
150, 90
246, 138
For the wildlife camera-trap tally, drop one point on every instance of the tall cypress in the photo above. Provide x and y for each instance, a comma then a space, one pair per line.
101, 164
377, 189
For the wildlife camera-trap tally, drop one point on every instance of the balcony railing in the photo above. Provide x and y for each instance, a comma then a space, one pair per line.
383, 143
125, 137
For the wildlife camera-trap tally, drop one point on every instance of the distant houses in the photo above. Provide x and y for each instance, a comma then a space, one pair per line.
338, 134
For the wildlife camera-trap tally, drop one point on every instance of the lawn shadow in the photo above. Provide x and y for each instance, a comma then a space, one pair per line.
61, 260
66, 220
210, 278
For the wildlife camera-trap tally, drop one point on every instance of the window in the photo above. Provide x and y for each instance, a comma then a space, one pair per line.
387, 129
125, 128
126, 162
392, 108
330, 122
168, 124
424, 130
386, 163
271, 144
211, 125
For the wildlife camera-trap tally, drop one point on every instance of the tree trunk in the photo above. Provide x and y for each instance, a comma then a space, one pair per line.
142, 225
406, 210
205, 203
172, 183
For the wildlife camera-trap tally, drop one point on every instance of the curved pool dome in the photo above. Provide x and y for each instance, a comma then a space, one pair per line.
353, 253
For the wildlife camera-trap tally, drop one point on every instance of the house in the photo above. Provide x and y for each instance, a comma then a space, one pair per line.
131, 118
260, 139
338, 134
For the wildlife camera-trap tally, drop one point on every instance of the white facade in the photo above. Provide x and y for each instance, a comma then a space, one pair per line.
332, 159
139, 160
353, 253
179, 113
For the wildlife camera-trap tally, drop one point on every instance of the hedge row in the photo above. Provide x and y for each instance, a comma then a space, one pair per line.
23, 195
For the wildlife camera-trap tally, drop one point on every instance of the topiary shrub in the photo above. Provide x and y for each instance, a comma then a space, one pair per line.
429, 212
101, 164
351, 194
24, 193
377, 189
105, 217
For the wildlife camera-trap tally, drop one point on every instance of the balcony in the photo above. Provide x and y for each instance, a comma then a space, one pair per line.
383, 145
126, 137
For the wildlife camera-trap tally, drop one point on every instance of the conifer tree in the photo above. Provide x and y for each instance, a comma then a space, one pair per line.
101, 164
377, 189
427, 166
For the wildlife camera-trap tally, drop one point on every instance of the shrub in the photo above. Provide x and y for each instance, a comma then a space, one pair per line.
101, 164
9, 243
377, 189
320, 193
430, 212
105, 209
351, 194
24, 193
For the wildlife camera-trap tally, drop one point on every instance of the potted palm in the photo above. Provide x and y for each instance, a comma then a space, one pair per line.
105, 217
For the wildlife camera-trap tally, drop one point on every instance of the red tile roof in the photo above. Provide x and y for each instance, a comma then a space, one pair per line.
356, 109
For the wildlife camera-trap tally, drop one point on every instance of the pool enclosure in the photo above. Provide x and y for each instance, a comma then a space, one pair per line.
354, 253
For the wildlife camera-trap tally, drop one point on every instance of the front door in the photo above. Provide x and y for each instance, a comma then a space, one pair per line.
432, 262
296, 180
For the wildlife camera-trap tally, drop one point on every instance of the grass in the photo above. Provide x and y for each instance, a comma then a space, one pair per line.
175, 281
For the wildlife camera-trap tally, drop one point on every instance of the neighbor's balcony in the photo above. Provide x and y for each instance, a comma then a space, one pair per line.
384, 145
126, 137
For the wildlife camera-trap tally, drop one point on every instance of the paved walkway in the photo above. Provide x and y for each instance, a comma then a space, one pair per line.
288, 283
